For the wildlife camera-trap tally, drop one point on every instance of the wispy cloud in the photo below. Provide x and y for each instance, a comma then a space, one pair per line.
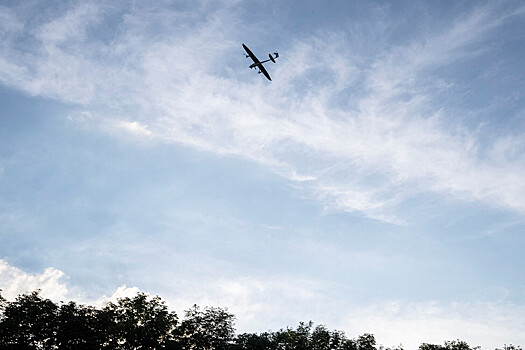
364, 129
70, 28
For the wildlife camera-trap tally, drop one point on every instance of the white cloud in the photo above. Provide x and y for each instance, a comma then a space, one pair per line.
134, 128
14, 281
258, 304
121, 292
53, 284
489, 325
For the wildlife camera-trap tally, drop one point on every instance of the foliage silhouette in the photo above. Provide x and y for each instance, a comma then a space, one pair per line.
211, 328
139, 323
79, 327
143, 322
449, 345
29, 322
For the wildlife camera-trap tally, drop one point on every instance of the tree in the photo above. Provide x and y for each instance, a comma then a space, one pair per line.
510, 347
138, 322
339, 341
296, 339
448, 345
366, 341
210, 328
78, 327
253, 341
29, 322
303, 338
426, 346
321, 338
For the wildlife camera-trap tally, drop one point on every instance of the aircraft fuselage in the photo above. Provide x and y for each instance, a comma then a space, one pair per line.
258, 64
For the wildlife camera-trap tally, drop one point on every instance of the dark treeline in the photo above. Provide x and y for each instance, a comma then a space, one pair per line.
142, 322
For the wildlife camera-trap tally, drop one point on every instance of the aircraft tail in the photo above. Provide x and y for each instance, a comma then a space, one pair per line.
273, 58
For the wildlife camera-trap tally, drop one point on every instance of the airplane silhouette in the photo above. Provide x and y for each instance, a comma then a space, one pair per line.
258, 64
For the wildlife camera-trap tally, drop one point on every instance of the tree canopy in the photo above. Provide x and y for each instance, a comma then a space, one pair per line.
143, 322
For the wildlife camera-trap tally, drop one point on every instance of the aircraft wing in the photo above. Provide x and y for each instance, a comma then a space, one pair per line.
250, 53
265, 72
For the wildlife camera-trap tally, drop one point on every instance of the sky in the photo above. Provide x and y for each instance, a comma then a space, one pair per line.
376, 184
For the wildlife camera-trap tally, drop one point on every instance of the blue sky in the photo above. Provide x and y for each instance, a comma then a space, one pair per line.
375, 185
